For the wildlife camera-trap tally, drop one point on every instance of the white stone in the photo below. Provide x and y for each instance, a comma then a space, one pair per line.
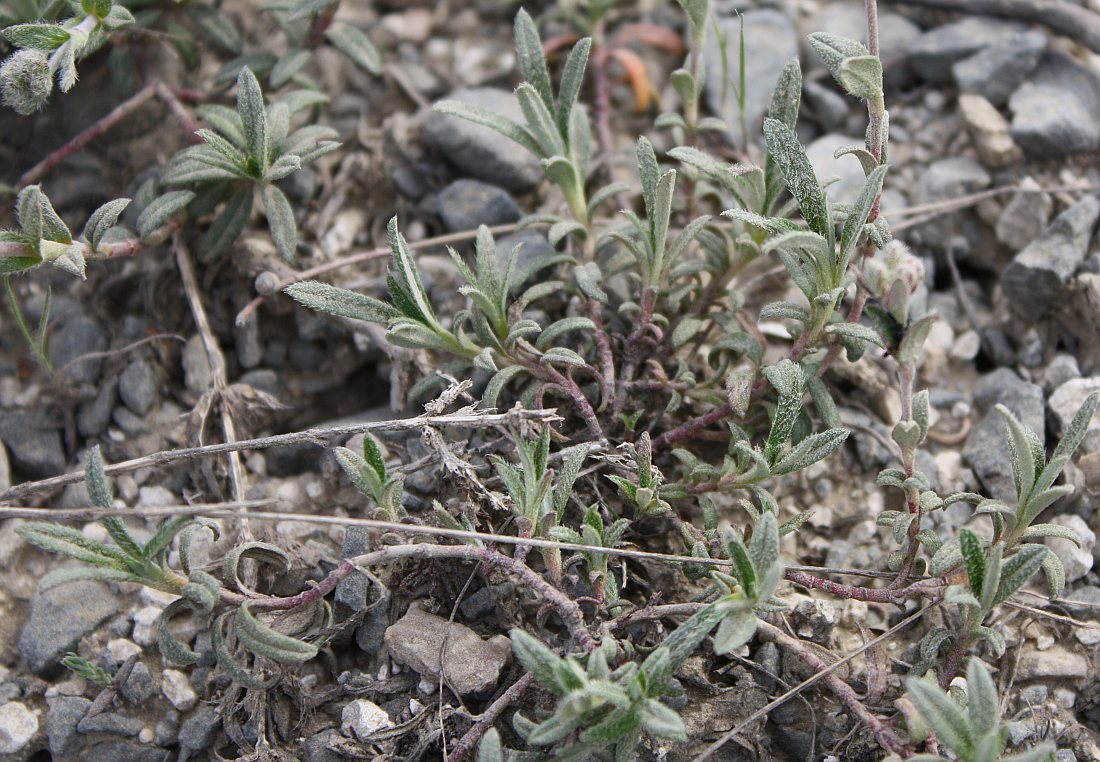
145, 625
146, 735
177, 689
1077, 561
361, 719
156, 497
1057, 662
121, 649
17, 727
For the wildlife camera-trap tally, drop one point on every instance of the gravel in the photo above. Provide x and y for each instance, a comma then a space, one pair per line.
987, 450
78, 335
996, 71
1025, 216
65, 713
935, 53
361, 718
199, 731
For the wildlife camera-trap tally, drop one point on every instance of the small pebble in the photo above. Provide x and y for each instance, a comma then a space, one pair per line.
177, 689
17, 726
361, 718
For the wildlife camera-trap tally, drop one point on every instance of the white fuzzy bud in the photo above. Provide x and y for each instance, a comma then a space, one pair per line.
25, 81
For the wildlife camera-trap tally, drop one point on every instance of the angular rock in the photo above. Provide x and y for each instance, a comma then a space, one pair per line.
33, 438
770, 42
64, 715
996, 71
987, 449
93, 416
465, 204
199, 731
935, 52
59, 618
360, 719
989, 131
472, 665
1037, 275
17, 727
1054, 110
1067, 399
177, 689
1025, 216
137, 386
479, 151
139, 686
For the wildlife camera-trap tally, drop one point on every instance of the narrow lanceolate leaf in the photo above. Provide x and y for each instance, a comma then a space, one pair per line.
355, 45
70, 542
810, 450
372, 453
356, 469
501, 124
405, 275
787, 94
572, 77
102, 220
497, 383
1055, 573
341, 302
99, 491
280, 219
37, 36
650, 174
792, 161
742, 564
857, 218
982, 705
37, 218
532, 63
1075, 432
229, 664
788, 380
250, 107
974, 557
262, 639
161, 210
1026, 452
1016, 571
258, 551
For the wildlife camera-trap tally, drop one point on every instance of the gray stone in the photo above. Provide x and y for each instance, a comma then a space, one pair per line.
1054, 111
199, 731
1055, 662
125, 751
17, 727
1062, 368
770, 42
1020, 731
315, 748
830, 109
59, 618
306, 355
353, 589
472, 665
78, 335
987, 449
1037, 275
139, 686
935, 52
110, 722
64, 714
34, 441
821, 154
1025, 216
996, 71
815, 619
479, 151
360, 719
132, 424
1067, 399
465, 204
137, 386
93, 416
